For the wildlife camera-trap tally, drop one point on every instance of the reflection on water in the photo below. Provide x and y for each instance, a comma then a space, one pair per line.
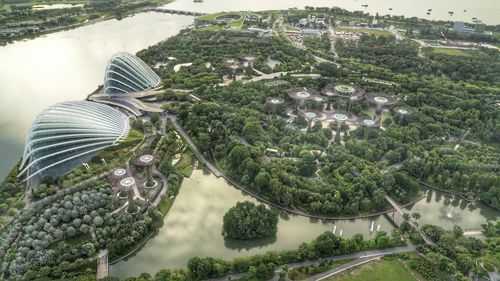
66, 65
446, 210
464, 10
193, 226
239, 245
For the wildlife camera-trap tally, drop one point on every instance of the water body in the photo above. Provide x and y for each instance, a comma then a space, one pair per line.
486, 10
69, 64
194, 224
66, 65
446, 211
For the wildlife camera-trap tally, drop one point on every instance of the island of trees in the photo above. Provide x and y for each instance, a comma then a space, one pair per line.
230, 91
247, 221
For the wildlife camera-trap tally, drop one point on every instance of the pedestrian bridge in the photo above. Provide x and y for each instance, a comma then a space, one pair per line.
178, 12
401, 211
102, 264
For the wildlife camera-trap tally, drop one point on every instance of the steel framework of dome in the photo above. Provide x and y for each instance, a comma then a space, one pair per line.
66, 132
127, 73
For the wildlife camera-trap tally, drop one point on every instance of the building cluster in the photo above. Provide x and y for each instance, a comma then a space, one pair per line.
479, 29
67, 134
312, 22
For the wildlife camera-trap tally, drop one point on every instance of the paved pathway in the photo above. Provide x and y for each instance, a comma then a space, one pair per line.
320, 59
195, 149
219, 173
102, 264
400, 210
331, 35
359, 256
164, 187
340, 268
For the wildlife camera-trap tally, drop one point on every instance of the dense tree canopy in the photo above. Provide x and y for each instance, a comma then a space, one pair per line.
249, 221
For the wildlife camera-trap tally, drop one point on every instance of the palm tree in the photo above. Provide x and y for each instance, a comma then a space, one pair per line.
416, 216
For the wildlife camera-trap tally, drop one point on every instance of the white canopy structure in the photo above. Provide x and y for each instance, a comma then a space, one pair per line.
66, 132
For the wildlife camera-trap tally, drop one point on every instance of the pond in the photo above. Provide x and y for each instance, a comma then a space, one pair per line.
194, 224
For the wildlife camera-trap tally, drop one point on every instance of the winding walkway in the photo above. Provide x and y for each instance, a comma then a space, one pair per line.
360, 258
218, 173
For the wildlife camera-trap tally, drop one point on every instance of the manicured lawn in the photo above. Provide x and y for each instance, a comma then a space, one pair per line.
453, 52
378, 270
185, 164
236, 23
216, 15
375, 32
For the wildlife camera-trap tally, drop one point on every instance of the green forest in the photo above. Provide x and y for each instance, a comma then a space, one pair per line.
346, 179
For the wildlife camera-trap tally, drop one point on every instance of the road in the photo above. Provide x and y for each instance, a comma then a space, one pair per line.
422, 45
340, 268
396, 33
331, 35
320, 59
360, 257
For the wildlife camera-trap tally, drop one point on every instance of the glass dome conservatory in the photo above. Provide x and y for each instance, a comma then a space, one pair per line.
127, 73
65, 135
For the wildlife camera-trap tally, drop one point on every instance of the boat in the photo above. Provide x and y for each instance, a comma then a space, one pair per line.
428, 13
371, 227
451, 13
465, 11
429, 10
378, 227
365, 5
390, 9
340, 233
334, 229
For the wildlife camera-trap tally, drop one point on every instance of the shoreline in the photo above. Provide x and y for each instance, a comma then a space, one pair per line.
217, 172
313, 216
77, 25
151, 8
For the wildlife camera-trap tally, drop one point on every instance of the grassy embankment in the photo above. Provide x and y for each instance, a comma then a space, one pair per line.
304, 272
376, 32
384, 269
453, 52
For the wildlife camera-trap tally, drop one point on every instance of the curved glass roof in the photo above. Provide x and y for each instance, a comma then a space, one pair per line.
70, 130
127, 73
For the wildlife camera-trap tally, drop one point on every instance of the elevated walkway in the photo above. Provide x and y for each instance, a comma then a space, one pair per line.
401, 211
102, 264
178, 12
132, 105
